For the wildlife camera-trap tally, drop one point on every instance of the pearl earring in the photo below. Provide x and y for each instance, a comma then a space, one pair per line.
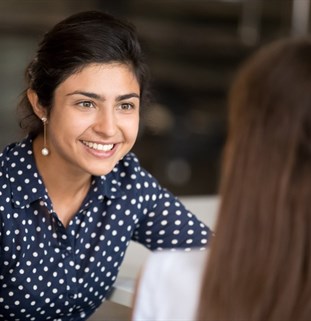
44, 150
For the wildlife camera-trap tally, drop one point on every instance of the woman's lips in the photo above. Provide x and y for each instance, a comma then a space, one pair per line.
98, 146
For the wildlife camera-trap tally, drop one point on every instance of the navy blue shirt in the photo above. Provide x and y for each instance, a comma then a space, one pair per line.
49, 272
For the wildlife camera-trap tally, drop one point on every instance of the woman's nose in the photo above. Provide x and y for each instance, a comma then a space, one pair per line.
106, 123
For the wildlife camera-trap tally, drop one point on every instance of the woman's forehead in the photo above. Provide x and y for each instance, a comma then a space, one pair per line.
101, 78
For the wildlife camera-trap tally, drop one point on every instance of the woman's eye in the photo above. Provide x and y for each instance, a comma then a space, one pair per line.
126, 106
86, 104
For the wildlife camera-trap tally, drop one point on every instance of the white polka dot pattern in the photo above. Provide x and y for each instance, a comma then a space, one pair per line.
49, 272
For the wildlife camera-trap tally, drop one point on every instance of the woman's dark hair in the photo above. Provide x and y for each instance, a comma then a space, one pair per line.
260, 263
81, 39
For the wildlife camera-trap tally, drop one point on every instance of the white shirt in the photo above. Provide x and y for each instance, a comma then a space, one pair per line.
169, 287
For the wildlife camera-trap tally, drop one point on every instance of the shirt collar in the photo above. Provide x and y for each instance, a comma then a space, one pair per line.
107, 185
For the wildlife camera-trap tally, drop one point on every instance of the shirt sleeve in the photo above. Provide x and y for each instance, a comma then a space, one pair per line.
166, 223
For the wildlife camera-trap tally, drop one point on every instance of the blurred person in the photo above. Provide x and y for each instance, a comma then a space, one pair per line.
73, 194
259, 263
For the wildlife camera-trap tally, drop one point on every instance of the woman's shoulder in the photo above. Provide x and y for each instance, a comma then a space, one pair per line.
16, 149
169, 286
177, 256
179, 260
5, 160
16, 158
176, 267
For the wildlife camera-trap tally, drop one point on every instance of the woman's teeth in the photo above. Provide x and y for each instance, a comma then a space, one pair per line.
101, 147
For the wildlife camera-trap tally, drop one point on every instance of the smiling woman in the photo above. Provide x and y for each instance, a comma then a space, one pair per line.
72, 191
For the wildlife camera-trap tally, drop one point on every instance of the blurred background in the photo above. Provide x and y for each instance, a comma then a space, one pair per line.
193, 48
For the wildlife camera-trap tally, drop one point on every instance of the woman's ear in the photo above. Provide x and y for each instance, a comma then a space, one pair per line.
34, 101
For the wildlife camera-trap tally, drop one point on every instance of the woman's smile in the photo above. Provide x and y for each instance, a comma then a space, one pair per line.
99, 146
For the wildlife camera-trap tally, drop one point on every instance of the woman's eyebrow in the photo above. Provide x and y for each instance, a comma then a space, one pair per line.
99, 97
86, 93
127, 96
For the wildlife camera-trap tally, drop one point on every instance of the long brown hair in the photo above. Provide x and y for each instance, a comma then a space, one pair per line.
260, 263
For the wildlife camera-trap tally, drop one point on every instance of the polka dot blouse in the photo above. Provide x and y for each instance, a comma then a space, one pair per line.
49, 272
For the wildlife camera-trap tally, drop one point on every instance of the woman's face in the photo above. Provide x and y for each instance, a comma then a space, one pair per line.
95, 118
